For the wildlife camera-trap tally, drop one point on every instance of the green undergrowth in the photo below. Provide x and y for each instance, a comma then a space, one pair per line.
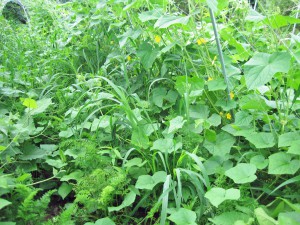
118, 112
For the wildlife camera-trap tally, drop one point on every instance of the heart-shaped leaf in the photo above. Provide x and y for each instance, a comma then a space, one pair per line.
148, 182
261, 68
282, 163
218, 195
242, 173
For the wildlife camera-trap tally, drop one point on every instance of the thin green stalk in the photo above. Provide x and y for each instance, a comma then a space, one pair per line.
213, 20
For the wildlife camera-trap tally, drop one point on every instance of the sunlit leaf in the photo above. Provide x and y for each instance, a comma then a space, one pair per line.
4, 203
165, 145
176, 123
128, 200
42, 106
261, 139
167, 20
105, 221
263, 218
229, 218
64, 189
30, 103
218, 195
261, 68
149, 182
150, 15
282, 163
242, 173
183, 216
221, 146
139, 138
277, 21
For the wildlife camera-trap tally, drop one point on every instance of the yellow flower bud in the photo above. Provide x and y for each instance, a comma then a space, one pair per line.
228, 116
157, 39
201, 41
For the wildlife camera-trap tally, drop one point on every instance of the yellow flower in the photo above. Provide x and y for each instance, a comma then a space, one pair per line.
129, 58
221, 113
231, 95
213, 62
201, 41
157, 39
210, 78
228, 116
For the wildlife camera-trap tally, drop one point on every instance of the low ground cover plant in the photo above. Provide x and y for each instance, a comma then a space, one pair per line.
119, 112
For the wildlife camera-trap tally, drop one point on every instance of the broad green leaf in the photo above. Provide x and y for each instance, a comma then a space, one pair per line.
31, 152
128, 200
277, 21
263, 218
2, 148
242, 173
147, 54
218, 195
133, 34
193, 86
66, 133
183, 216
288, 138
291, 139
259, 161
8, 223
294, 148
167, 20
289, 218
282, 163
214, 120
210, 135
64, 189
176, 124
49, 148
158, 96
225, 104
261, 68
42, 106
57, 163
229, 218
76, 175
261, 139
104, 221
199, 111
165, 145
254, 16
30, 103
134, 162
241, 52
4, 203
221, 146
243, 118
151, 15
139, 138
216, 84
149, 182
253, 101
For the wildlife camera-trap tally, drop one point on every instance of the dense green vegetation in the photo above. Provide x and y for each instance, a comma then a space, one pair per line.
117, 112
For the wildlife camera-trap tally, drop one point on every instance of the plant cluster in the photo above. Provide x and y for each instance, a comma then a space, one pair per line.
118, 112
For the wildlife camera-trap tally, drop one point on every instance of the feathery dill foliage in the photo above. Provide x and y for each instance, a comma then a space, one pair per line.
116, 112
